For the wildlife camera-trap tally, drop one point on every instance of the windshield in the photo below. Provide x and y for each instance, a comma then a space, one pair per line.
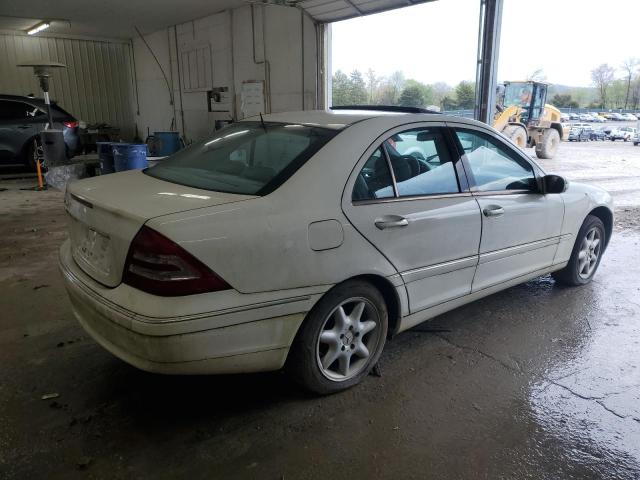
518, 94
249, 158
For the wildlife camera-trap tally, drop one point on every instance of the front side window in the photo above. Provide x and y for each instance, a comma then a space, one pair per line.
421, 164
494, 167
249, 158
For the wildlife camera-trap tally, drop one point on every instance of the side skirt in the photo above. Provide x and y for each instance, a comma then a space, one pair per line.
418, 317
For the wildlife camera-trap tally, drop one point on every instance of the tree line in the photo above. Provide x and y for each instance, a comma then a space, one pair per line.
357, 88
609, 90
617, 92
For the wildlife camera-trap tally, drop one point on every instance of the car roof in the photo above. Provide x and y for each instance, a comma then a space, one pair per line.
340, 119
22, 98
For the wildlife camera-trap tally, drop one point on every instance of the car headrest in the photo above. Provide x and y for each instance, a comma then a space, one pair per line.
413, 164
402, 168
360, 189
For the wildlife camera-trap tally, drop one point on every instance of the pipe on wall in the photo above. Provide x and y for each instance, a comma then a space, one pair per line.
302, 54
264, 61
132, 61
175, 39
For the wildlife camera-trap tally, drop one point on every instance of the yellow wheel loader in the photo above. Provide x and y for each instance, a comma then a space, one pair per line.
523, 115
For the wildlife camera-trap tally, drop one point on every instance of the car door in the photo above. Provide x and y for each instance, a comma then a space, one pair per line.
521, 226
408, 196
17, 125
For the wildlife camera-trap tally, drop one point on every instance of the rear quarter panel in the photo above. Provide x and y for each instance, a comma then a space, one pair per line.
264, 245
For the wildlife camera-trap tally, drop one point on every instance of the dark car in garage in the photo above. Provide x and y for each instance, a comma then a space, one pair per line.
21, 121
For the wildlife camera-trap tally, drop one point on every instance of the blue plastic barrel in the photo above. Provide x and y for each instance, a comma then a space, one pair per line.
129, 156
166, 143
105, 155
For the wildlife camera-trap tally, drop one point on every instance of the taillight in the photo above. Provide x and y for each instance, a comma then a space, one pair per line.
70, 124
159, 266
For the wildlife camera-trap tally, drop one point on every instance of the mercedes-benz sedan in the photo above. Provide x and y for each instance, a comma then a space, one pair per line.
305, 240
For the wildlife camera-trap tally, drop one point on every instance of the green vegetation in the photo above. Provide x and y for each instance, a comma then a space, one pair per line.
608, 91
615, 92
563, 101
357, 89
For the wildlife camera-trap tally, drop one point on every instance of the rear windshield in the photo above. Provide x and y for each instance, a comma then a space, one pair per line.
57, 107
249, 158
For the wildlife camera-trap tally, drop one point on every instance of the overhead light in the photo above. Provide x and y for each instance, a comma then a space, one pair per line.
38, 28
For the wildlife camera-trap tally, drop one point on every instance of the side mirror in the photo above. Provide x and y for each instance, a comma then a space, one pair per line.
554, 184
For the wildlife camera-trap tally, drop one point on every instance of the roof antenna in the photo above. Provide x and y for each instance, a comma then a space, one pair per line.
262, 122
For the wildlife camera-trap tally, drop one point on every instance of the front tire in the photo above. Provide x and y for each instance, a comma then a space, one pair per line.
341, 339
517, 135
586, 254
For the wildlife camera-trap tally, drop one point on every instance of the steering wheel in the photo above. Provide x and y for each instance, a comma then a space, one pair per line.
424, 166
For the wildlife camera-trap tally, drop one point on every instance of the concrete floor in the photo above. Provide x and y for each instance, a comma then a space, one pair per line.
537, 382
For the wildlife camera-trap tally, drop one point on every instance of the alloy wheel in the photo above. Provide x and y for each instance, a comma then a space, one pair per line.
589, 253
349, 336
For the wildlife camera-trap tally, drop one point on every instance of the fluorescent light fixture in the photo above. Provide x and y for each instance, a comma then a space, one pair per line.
38, 28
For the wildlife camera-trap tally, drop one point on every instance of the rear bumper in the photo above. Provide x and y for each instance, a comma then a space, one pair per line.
250, 346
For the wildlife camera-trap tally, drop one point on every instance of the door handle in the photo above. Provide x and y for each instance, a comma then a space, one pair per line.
493, 211
391, 221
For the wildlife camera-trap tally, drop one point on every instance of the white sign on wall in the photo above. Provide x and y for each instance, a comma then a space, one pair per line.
252, 98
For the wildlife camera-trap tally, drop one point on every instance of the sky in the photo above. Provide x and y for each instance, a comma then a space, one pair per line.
438, 41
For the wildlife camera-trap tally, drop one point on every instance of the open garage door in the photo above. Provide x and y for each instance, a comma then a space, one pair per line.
334, 10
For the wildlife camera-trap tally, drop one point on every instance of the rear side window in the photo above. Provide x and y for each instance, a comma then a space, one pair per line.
248, 158
374, 180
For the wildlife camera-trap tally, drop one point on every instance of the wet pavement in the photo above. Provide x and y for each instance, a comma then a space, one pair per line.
539, 381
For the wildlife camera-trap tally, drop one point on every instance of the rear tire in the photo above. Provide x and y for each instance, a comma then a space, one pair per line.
340, 340
586, 254
517, 135
34, 152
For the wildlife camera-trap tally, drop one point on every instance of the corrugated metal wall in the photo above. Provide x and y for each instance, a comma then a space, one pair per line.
96, 86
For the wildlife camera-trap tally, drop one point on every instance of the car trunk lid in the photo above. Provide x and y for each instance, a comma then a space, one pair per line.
106, 213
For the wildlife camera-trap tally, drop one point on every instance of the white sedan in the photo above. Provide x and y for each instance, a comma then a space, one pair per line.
307, 239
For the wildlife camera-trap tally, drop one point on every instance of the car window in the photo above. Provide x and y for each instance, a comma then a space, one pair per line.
374, 180
10, 110
494, 167
421, 163
251, 158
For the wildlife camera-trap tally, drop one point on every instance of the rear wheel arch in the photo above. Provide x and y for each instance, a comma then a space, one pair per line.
24, 151
391, 298
27, 151
388, 292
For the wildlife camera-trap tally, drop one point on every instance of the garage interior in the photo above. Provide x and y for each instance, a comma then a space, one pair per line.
537, 381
